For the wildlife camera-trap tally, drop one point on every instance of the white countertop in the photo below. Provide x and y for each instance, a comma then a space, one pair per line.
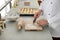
12, 33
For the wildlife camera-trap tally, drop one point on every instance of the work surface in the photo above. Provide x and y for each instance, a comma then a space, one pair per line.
12, 33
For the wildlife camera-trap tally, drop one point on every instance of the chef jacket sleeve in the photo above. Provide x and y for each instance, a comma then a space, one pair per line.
41, 16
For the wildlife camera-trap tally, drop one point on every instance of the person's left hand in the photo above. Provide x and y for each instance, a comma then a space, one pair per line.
42, 22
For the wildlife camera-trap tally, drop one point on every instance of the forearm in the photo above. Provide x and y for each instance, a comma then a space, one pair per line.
40, 10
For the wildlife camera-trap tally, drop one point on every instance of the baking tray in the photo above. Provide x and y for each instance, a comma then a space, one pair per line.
27, 11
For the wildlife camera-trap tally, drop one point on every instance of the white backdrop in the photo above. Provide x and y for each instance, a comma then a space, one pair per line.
6, 9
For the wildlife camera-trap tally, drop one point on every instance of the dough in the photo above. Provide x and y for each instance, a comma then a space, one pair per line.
30, 26
20, 24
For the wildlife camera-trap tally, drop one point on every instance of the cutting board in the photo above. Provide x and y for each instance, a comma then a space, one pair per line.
29, 26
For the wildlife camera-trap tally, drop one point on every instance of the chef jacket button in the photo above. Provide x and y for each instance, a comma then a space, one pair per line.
48, 14
43, 0
51, 2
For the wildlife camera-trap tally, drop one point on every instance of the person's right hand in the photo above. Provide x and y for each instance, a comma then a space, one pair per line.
37, 14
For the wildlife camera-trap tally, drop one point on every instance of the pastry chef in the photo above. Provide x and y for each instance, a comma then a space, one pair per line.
51, 13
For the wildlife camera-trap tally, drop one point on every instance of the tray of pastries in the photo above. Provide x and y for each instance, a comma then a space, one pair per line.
27, 10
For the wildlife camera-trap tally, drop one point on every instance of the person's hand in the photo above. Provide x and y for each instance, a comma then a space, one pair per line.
37, 14
42, 22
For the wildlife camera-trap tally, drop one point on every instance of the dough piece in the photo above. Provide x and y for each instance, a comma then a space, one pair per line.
20, 24
24, 10
30, 26
31, 10
20, 10
33, 27
28, 11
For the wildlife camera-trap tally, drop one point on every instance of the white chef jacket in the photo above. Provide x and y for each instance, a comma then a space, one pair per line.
51, 11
